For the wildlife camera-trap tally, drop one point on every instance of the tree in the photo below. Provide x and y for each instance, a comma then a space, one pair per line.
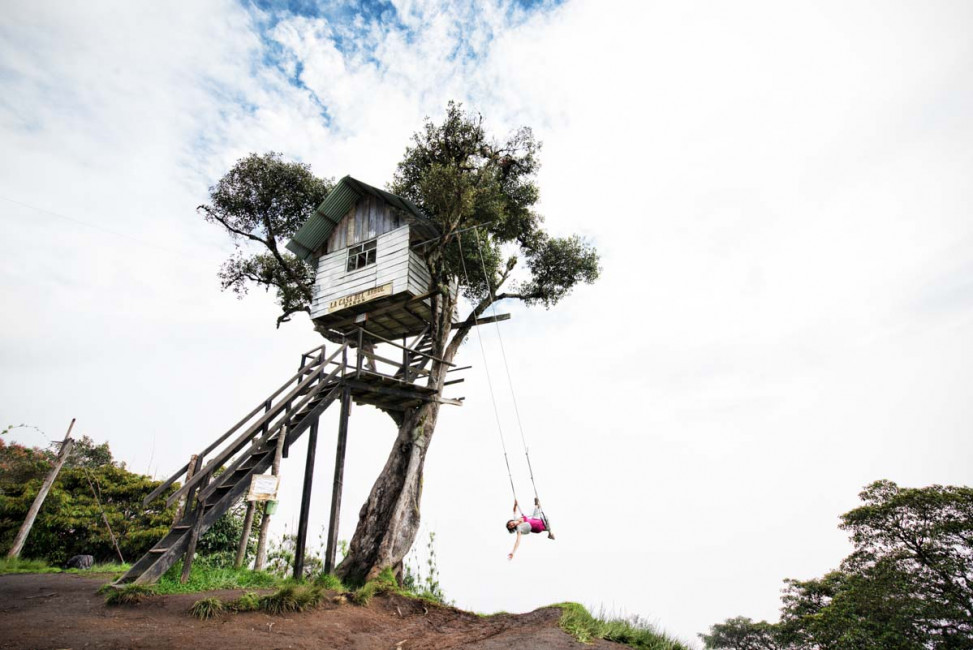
906, 586
264, 200
460, 178
741, 633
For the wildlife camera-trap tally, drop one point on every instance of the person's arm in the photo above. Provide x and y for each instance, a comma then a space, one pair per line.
516, 544
516, 508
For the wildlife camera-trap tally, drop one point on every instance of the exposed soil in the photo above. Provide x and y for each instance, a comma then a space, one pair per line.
63, 611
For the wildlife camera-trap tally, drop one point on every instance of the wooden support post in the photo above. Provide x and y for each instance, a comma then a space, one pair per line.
187, 560
35, 507
265, 521
312, 444
339, 477
241, 552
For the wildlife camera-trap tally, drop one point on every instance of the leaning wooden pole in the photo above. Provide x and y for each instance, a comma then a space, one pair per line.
35, 507
312, 444
339, 478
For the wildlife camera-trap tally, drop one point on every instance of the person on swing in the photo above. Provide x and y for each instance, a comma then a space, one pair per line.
536, 523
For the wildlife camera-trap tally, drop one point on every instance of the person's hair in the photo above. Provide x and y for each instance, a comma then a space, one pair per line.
513, 529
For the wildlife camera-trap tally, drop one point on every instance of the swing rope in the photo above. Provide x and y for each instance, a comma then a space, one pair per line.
493, 399
503, 353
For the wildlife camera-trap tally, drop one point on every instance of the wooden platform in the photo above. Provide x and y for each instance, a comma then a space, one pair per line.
392, 318
389, 393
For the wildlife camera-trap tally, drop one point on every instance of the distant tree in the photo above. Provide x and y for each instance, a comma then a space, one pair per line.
741, 633
461, 178
908, 585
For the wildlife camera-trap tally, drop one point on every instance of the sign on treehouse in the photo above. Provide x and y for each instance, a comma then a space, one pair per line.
360, 297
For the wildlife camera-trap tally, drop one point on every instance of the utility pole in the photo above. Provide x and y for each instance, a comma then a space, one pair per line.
35, 507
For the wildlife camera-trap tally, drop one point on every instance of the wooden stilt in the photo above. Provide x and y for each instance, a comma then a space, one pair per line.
339, 474
241, 552
312, 443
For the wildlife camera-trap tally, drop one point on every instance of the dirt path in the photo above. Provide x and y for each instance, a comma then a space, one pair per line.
63, 611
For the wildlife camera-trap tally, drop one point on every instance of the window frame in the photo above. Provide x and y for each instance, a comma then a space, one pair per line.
362, 255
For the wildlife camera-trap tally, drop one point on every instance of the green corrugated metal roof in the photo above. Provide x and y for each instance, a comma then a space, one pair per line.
318, 227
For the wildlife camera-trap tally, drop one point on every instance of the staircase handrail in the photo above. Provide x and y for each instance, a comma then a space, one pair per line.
266, 418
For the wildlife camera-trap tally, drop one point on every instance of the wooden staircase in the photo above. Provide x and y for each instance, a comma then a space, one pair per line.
209, 495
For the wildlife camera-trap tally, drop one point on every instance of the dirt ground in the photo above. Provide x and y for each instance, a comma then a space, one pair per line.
63, 611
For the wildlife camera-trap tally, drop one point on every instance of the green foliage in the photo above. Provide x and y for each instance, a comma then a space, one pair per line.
634, 631
330, 582
424, 584
203, 577
280, 556
741, 633
908, 584
127, 595
461, 177
206, 608
292, 598
20, 565
218, 546
248, 602
384, 583
71, 523
264, 200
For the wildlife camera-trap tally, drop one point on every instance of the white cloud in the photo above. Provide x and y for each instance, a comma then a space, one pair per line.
780, 195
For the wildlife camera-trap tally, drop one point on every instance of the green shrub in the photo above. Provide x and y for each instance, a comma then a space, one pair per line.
292, 598
206, 608
126, 595
248, 602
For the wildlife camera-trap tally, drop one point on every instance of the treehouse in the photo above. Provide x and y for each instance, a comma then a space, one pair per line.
361, 241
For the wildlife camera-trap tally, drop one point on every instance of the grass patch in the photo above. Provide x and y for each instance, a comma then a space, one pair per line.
18, 565
330, 582
384, 583
248, 602
207, 608
634, 631
204, 578
126, 595
107, 567
292, 598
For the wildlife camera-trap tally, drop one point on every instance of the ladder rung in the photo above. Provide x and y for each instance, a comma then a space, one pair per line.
159, 550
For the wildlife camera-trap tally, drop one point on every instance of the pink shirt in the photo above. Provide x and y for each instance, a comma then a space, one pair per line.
536, 525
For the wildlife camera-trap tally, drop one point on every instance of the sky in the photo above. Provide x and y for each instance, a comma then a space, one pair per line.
779, 192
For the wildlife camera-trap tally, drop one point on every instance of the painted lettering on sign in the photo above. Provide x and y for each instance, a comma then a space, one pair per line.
358, 298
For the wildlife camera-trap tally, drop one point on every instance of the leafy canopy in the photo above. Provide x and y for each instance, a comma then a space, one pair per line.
908, 585
459, 176
264, 200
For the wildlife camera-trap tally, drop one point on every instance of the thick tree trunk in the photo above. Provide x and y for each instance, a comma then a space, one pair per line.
389, 520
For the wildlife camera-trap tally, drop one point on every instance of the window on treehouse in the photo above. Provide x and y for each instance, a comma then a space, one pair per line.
361, 255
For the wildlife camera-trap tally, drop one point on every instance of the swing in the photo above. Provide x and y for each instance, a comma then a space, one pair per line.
496, 412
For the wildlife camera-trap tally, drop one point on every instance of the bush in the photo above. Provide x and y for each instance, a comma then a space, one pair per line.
206, 608
292, 598
127, 595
